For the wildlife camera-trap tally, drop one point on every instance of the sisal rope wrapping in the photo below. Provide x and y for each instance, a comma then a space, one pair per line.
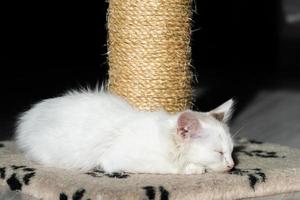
149, 53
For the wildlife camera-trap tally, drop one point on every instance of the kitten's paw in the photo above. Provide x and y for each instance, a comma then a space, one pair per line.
120, 174
193, 169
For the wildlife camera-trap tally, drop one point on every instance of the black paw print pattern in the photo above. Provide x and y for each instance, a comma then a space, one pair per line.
247, 141
100, 173
261, 153
21, 176
254, 175
255, 142
77, 195
151, 192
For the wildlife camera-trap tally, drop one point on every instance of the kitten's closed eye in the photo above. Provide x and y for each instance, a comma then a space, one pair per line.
220, 152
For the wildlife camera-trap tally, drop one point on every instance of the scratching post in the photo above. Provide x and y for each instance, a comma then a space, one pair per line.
149, 58
149, 53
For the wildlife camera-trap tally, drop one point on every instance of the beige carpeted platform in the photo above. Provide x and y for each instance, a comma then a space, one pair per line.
265, 171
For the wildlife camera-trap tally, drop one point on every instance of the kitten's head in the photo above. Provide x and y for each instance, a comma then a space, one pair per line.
206, 137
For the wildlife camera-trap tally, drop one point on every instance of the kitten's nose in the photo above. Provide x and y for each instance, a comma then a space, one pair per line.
229, 167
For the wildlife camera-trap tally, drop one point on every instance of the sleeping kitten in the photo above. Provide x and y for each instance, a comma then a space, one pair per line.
96, 129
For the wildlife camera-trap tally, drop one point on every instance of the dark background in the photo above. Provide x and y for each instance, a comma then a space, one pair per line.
48, 47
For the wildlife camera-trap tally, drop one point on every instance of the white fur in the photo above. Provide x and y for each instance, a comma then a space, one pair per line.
96, 129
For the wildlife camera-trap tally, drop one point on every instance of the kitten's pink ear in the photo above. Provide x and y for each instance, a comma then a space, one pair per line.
188, 125
223, 113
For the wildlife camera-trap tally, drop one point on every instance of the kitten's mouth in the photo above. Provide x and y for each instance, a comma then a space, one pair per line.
231, 170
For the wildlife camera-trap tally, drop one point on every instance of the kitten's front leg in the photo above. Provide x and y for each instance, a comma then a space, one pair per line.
193, 169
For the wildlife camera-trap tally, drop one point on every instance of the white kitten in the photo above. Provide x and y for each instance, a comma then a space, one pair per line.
96, 129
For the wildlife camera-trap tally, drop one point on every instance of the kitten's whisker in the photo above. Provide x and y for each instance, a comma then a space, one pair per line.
238, 131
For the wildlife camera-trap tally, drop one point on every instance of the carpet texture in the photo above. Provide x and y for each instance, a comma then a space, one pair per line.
265, 171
